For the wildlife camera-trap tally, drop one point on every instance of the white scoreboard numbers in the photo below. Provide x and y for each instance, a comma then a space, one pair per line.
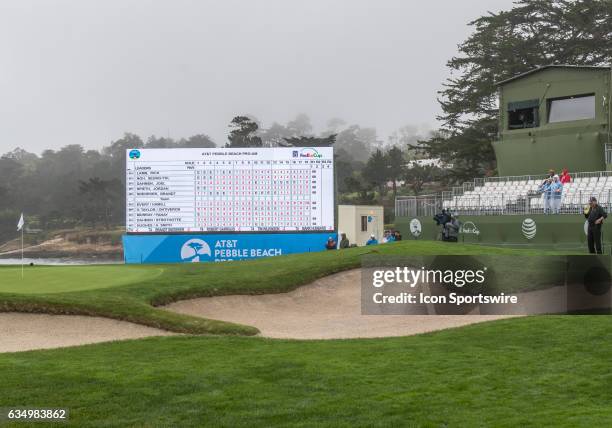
288, 189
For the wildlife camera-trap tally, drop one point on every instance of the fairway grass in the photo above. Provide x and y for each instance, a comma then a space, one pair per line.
527, 372
130, 293
61, 279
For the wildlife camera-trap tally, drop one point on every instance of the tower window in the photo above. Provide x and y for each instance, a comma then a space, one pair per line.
578, 107
523, 114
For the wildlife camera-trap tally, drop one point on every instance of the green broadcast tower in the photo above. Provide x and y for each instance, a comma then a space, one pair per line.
553, 117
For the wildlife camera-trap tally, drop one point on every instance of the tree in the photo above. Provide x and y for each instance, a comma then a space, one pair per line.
532, 34
244, 133
100, 197
356, 142
417, 175
197, 141
408, 138
275, 135
469, 151
154, 142
300, 126
376, 171
394, 159
335, 125
117, 150
311, 141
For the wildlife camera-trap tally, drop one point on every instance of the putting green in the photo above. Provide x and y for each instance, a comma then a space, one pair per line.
61, 279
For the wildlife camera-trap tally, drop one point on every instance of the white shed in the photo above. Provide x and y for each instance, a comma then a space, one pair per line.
360, 221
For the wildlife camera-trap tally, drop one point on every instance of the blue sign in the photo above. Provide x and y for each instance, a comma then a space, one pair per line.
218, 248
134, 154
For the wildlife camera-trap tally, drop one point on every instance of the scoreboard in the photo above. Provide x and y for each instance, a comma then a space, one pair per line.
285, 189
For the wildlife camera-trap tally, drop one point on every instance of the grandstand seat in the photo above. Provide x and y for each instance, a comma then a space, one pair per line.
519, 194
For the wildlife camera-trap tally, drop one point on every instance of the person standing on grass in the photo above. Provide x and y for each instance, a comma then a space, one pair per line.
595, 216
344, 242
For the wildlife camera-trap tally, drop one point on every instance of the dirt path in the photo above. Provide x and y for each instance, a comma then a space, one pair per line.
24, 332
329, 308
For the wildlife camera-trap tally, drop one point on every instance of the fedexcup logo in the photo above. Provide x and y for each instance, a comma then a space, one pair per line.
193, 249
415, 227
529, 228
310, 153
469, 227
134, 154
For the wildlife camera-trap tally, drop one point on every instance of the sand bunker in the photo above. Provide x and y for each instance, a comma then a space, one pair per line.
314, 312
24, 332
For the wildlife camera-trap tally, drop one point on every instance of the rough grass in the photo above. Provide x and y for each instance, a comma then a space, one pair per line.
136, 301
529, 372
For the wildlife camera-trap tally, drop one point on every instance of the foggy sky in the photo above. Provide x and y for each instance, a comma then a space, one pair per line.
85, 72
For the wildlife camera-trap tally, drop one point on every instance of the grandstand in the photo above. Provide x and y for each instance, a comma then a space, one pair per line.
510, 195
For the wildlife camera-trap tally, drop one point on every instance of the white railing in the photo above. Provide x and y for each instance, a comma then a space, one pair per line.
500, 202
608, 153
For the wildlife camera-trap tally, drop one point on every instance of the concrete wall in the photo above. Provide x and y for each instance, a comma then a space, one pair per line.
535, 230
349, 222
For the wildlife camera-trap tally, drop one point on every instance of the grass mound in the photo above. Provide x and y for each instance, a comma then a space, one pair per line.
131, 293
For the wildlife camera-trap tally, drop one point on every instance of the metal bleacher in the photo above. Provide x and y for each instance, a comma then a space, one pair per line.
510, 195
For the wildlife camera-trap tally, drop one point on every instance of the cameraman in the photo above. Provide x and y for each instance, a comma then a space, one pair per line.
441, 219
451, 229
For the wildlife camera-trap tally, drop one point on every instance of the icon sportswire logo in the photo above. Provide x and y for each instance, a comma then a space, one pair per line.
193, 249
529, 228
309, 152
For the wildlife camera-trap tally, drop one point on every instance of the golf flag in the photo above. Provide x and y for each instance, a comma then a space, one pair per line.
21, 222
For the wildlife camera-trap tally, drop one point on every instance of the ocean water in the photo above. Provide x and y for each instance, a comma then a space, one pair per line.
59, 262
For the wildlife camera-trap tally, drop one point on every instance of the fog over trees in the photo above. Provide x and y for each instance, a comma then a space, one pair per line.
74, 187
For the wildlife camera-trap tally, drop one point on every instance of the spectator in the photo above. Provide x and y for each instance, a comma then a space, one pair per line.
595, 216
546, 196
451, 230
372, 240
549, 176
344, 242
398, 235
388, 237
556, 191
565, 177
331, 244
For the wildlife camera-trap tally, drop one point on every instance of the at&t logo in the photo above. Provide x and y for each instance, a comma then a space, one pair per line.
528, 228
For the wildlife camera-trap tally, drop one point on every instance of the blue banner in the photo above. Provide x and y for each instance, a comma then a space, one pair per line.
218, 248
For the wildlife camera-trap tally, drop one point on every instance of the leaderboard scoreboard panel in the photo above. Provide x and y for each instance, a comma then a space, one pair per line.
288, 189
